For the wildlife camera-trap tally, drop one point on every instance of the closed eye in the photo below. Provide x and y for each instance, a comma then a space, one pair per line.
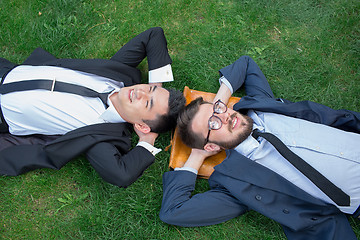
152, 89
149, 103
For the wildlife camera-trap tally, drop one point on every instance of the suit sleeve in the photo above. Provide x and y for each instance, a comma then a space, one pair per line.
151, 44
182, 209
245, 71
116, 168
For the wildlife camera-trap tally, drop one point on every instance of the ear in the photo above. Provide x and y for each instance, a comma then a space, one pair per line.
212, 147
142, 127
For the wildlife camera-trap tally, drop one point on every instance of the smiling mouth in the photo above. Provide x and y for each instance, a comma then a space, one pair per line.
234, 122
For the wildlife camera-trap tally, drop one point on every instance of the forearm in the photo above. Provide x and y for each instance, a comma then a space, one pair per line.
224, 93
194, 161
182, 209
245, 72
151, 44
115, 168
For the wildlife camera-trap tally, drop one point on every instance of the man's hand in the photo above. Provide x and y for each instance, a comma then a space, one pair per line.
146, 137
203, 154
197, 158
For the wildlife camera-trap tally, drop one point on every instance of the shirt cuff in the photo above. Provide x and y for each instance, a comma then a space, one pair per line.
163, 74
222, 79
149, 147
189, 169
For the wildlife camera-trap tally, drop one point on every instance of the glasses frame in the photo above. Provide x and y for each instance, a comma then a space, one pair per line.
214, 116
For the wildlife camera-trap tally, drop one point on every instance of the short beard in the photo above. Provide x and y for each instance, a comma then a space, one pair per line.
247, 128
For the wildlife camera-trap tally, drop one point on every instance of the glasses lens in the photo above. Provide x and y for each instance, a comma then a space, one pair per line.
214, 123
219, 107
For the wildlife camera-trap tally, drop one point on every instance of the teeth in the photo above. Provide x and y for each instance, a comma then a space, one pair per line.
234, 122
131, 95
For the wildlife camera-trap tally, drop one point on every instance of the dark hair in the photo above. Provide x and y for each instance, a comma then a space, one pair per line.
167, 122
184, 122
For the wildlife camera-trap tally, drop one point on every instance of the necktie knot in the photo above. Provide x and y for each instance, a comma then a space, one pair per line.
256, 133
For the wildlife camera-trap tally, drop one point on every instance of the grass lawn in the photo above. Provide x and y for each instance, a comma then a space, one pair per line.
308, 50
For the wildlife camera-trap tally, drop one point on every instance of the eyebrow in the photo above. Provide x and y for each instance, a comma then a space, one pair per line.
152, 99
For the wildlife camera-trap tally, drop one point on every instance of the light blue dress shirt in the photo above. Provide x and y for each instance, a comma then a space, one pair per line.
333, 152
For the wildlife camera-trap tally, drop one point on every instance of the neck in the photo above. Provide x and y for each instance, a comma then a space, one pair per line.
114, 99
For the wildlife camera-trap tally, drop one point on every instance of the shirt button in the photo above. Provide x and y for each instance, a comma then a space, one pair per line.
258, 197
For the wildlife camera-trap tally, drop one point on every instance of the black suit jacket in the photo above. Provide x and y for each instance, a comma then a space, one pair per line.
239, 184
107, 146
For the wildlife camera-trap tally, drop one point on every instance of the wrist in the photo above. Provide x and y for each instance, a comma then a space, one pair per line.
149, 147
150, 141
195, 160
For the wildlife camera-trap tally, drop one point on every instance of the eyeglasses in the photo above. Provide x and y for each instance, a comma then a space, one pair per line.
215, 122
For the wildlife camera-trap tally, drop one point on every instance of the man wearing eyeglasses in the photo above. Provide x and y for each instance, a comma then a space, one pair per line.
256, 174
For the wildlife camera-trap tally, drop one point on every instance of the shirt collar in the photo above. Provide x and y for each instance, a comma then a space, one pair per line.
250, 143
110, 114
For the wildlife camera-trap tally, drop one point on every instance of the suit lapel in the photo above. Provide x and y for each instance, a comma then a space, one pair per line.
241, 168
112, 129
306, 110
80, 140
38, 57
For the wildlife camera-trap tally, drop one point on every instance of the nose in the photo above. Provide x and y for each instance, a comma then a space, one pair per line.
141, 94
224, 117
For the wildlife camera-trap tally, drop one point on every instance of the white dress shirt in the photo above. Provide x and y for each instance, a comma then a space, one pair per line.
51, 113
45, 112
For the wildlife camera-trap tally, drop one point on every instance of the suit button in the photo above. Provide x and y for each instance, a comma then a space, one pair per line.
314, 218
258, 197
286, 211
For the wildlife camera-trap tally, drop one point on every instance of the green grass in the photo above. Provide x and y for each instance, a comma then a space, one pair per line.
308, 49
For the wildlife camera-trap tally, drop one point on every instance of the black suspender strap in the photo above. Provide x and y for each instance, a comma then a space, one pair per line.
52, 85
